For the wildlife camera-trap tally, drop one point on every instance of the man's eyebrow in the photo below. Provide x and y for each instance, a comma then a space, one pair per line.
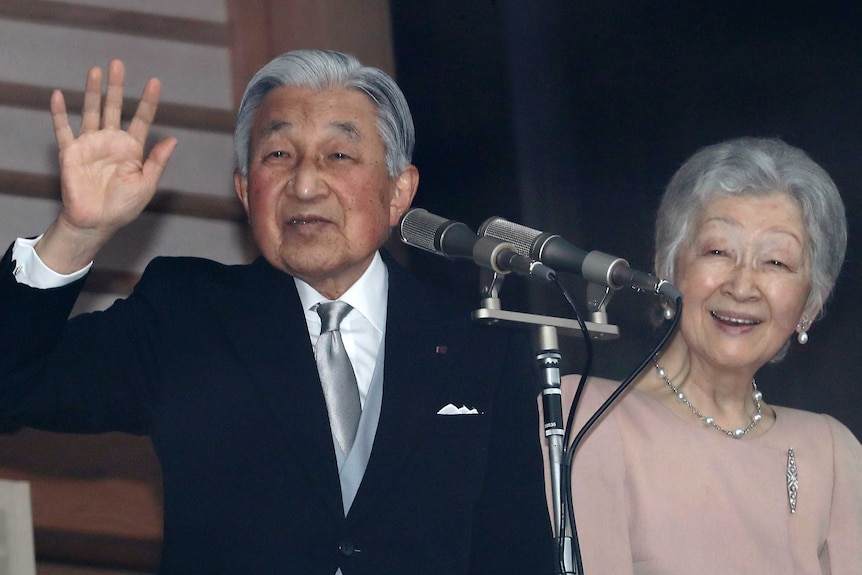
274, 126
349, 129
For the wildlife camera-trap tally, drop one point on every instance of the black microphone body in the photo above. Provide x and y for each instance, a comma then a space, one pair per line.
435, 234
554, 251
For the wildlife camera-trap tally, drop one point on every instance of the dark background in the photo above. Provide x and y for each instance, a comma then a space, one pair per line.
572, 116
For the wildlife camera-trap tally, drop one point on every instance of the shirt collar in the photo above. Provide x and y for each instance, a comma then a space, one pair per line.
368, 295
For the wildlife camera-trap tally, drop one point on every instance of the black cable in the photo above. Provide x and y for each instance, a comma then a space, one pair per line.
569, 450
566, 510
565, 470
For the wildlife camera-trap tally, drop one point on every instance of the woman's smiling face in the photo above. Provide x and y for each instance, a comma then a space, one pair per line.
745, 278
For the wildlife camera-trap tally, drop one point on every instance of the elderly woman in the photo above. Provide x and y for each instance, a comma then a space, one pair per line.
692, 471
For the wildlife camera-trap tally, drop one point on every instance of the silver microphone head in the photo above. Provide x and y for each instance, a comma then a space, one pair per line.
418, 228
522, 237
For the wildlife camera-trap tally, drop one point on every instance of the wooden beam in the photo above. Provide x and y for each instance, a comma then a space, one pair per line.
197, 205
105, 550
250, 41
263, 29
176, 115
120, 21
359, 27
41, 186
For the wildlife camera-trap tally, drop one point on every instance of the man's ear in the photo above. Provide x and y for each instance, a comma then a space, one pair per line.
240, 186
406, 184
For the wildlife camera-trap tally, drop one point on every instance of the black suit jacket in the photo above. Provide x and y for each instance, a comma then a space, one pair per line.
214, 363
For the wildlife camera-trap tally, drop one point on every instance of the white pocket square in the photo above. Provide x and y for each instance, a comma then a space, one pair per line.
452, 410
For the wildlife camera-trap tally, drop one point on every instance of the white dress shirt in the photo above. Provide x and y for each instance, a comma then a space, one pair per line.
30, 271
363, 328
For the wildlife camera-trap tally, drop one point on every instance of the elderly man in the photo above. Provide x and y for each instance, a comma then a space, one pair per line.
298, 403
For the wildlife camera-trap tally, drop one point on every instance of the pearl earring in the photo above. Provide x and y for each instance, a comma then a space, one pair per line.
802, 336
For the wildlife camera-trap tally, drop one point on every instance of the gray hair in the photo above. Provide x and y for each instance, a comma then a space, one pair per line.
753, 166
322, 70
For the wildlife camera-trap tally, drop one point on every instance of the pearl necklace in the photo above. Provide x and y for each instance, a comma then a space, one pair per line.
737, 433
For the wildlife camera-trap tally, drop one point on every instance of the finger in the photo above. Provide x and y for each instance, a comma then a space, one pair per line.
91, 111
145, 115
114, 95
62, 130
157, 161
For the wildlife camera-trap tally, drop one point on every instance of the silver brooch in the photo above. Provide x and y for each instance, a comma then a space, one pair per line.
792, 480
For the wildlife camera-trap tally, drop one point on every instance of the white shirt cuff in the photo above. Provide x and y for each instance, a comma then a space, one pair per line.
31, 271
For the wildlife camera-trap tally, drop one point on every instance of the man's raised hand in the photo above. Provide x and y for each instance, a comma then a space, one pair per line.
105, 180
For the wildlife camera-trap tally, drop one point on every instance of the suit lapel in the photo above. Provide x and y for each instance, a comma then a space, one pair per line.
265, 321
414, 372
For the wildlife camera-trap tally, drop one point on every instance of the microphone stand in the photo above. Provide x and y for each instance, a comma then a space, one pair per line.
548, 355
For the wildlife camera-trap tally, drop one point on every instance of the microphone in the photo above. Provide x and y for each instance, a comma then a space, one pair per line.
422, 229
596, 267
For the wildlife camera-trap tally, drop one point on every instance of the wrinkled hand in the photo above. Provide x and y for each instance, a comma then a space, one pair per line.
105, 180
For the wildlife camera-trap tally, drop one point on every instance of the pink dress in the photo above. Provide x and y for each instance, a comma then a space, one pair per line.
655, 494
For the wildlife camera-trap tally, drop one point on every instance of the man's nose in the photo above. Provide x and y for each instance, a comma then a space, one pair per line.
307, 183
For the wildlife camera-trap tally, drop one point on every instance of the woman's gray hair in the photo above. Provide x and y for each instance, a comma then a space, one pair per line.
754, 166
322, 70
